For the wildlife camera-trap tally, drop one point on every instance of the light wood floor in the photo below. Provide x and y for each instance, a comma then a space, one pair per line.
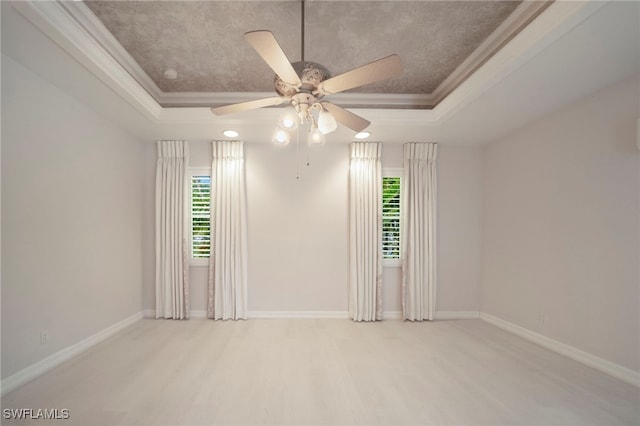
299, 372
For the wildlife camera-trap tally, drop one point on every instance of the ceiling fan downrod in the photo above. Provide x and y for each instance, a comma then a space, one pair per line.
302, 7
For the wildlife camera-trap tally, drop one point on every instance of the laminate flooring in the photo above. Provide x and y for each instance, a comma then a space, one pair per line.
325, 371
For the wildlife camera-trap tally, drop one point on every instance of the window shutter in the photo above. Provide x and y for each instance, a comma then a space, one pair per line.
391, 217
200, 216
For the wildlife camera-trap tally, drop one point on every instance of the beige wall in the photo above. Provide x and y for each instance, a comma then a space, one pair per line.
459, 229
71, 214
562, 224
298, 229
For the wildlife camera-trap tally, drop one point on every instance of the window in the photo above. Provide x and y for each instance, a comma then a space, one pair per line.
200, 217
391, 218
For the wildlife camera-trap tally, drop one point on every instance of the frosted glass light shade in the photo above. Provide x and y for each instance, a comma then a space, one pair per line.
281, 137
289, 118
315, 137
326, 122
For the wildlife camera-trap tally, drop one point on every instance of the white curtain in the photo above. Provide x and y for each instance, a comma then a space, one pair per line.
227, 293
365, 232
172, 265
419, 231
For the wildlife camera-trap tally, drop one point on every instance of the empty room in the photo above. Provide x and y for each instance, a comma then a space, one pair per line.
320, 212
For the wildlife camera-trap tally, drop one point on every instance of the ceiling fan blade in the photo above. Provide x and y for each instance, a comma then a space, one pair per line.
347, 118
268, 48
244, 106
366, 74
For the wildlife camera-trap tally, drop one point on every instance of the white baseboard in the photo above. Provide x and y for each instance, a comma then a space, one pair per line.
613, 369
29, 373
299, 314
388, 315
392, 315
455, 315
34, 370
151, 313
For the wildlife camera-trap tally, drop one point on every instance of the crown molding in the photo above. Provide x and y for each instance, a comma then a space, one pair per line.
53, 20
346, 100
74, 27
96, 29
109, 44
551, 24
524, 14
203, 115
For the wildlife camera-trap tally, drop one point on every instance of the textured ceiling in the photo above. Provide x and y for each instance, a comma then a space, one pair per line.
203, 40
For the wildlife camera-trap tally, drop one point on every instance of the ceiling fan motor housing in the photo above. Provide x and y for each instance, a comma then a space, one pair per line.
311, 74
308, 82
303, 102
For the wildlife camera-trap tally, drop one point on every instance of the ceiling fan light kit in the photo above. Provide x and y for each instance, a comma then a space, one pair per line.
289, 118
326, 122
315, 137
281, 137
304, 84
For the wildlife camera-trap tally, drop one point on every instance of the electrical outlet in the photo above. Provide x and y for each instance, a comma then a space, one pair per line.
44, 337
543, 317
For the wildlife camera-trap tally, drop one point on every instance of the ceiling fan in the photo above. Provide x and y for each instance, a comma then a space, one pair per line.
304, 84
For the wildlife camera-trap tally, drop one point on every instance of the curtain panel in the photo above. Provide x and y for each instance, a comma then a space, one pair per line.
419, 231
365, 232
172, 264
227, 289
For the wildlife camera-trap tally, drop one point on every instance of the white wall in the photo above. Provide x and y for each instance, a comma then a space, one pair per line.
71, 220
562, 224
298, 229
460, 221
459, 229
148, 287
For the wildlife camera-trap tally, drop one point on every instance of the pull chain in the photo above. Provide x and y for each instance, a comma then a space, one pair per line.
297, 153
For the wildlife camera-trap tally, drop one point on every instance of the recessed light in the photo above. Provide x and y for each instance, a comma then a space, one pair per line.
230, 133
362, 135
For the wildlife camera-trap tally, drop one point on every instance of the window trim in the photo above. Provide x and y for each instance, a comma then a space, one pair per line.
191, 172
394, 172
